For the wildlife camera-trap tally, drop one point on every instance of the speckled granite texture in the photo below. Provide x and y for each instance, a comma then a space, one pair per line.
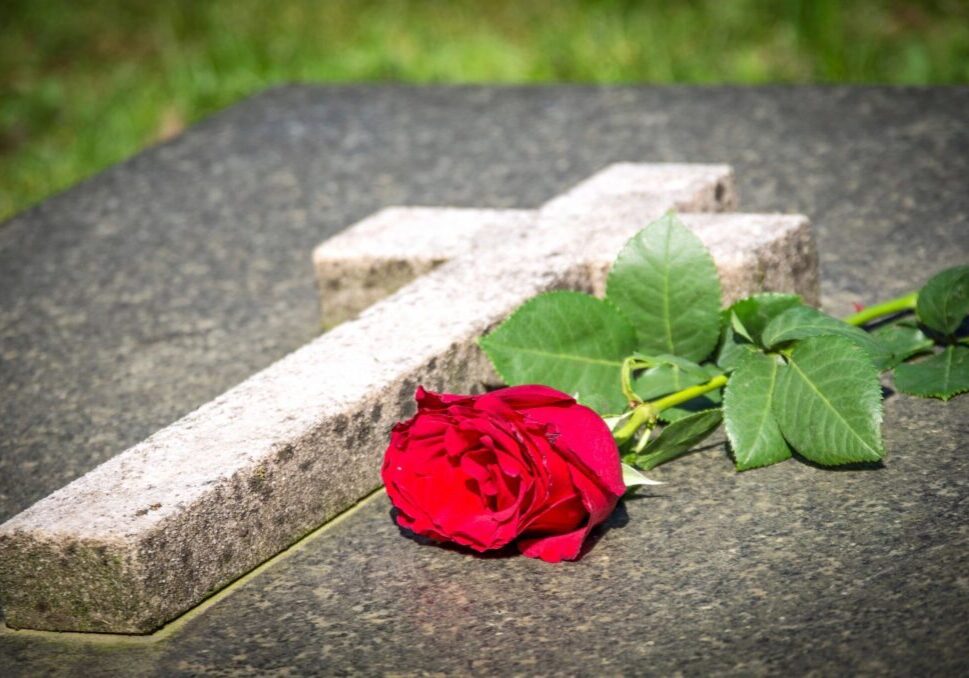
792, 570
153, 531
372, 258
789, 569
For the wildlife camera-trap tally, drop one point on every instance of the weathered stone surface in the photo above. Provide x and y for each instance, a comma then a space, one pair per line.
789, 570
101, 345
379, 255
154, 530
753, 252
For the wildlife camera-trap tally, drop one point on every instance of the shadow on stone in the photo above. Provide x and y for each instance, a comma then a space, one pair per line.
857, 466
617, 520
506, 552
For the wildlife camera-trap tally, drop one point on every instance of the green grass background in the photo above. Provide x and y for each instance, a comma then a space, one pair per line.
84, 84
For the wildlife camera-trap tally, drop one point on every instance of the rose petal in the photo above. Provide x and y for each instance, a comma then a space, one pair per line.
561, 498
457, 442
585, 434
599, 501
429, 400
562, 515
554, 548
525, 463
527, 396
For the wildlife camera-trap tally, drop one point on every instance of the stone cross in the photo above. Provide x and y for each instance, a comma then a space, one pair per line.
153, 531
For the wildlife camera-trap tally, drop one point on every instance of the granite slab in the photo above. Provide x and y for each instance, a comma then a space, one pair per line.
789, 569
155, 530
149, 289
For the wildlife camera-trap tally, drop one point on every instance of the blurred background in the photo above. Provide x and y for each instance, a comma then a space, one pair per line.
86, 84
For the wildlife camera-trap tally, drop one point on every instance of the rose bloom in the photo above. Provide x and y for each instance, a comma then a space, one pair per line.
525, 463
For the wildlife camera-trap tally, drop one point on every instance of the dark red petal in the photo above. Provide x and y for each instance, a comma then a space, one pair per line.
429, 400
529, 395
597, 501
559, 489
428, 426
457, 442
410, 515
563, 515
584, 433
555, 548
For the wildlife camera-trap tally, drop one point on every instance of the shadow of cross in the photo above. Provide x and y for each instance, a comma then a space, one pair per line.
153, 531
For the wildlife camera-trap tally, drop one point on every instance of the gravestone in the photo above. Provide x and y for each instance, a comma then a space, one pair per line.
157, 529
790, 568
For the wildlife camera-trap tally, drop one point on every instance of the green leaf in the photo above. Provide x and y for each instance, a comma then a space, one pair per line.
943, 302
712, 370
801, 322
737, 326
733, 347
943, 376
708, 401
666, 283
678, 437
674, 374
828, 402
901, 341
685, 366
566, 340
633, 478
753, 313
668, 376
753, 432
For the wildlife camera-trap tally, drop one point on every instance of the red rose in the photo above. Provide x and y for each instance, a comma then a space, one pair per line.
526, 463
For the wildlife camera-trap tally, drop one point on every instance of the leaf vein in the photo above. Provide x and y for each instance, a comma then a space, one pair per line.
831, 407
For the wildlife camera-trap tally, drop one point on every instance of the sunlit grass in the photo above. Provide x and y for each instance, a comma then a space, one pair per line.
83, 85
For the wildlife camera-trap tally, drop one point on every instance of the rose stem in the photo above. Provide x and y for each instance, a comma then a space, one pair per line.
689, 393
626, 379
646, 412
906, 302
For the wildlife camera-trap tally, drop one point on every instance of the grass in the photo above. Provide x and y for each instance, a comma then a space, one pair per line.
86, 84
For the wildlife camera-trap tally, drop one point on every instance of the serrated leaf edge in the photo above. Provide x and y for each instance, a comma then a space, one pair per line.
673, 219
729, 428
483, 340
937, 395
879, 407
655, 441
